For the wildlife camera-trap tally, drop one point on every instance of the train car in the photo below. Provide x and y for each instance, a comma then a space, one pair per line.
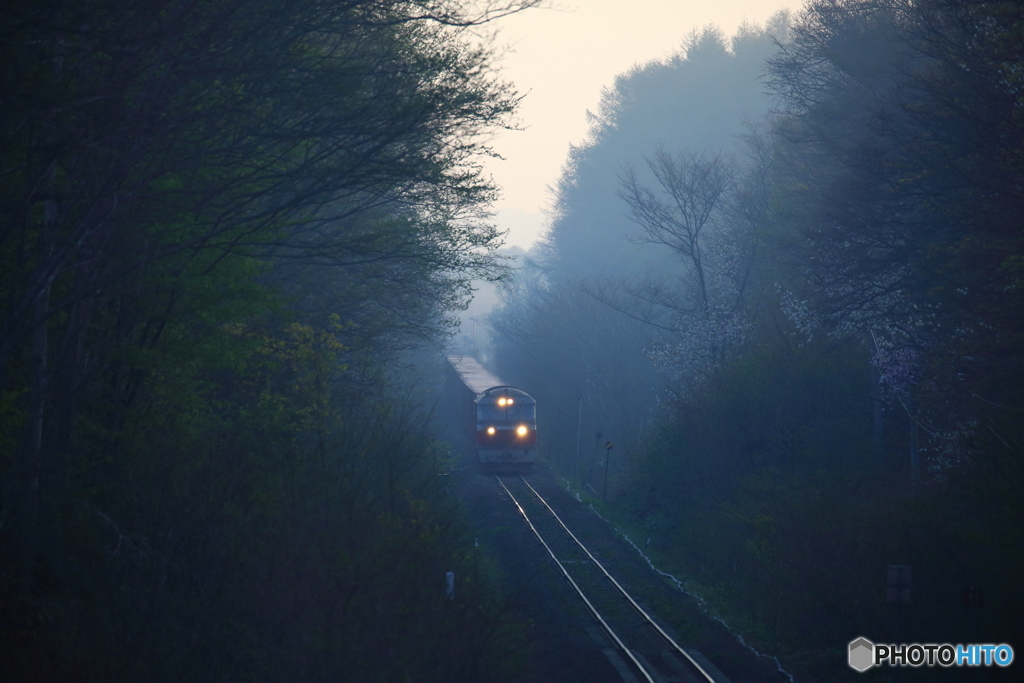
506, 429
501, 419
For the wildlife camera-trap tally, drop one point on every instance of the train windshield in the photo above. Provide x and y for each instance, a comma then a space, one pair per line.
490, 413
522, 413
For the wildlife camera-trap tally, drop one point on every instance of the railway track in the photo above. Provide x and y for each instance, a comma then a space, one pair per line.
639, 648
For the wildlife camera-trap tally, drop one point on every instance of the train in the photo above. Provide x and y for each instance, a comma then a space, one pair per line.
501, 418
506, 429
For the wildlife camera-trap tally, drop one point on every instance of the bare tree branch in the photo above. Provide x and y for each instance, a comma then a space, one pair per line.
693, 187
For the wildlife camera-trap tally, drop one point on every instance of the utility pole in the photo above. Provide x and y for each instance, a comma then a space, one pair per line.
593, 462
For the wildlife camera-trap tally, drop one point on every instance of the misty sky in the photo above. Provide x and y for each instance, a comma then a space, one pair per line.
561, 58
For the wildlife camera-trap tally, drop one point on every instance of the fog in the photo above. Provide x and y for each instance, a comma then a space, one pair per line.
779, 276
781, 282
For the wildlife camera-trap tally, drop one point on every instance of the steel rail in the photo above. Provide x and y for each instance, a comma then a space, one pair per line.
644, 615
593, 610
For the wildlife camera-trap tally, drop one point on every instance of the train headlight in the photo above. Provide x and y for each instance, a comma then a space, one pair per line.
508, 402
521, 430
501, 401
490, 430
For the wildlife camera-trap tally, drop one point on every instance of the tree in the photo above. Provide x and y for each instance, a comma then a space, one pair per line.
135, 134
711, 212
694, 187
898, 175
697, 99
164, 170
598, 289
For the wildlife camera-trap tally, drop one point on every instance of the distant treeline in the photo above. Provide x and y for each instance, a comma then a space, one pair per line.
224, 227
784, 276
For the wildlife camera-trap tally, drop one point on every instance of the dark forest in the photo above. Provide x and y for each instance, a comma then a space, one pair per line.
784, 275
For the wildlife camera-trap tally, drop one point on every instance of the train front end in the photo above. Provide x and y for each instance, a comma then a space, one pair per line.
506, 429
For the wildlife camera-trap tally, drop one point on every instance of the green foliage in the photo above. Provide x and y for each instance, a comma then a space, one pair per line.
795, 553
252, 517
221, 224
783, 406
